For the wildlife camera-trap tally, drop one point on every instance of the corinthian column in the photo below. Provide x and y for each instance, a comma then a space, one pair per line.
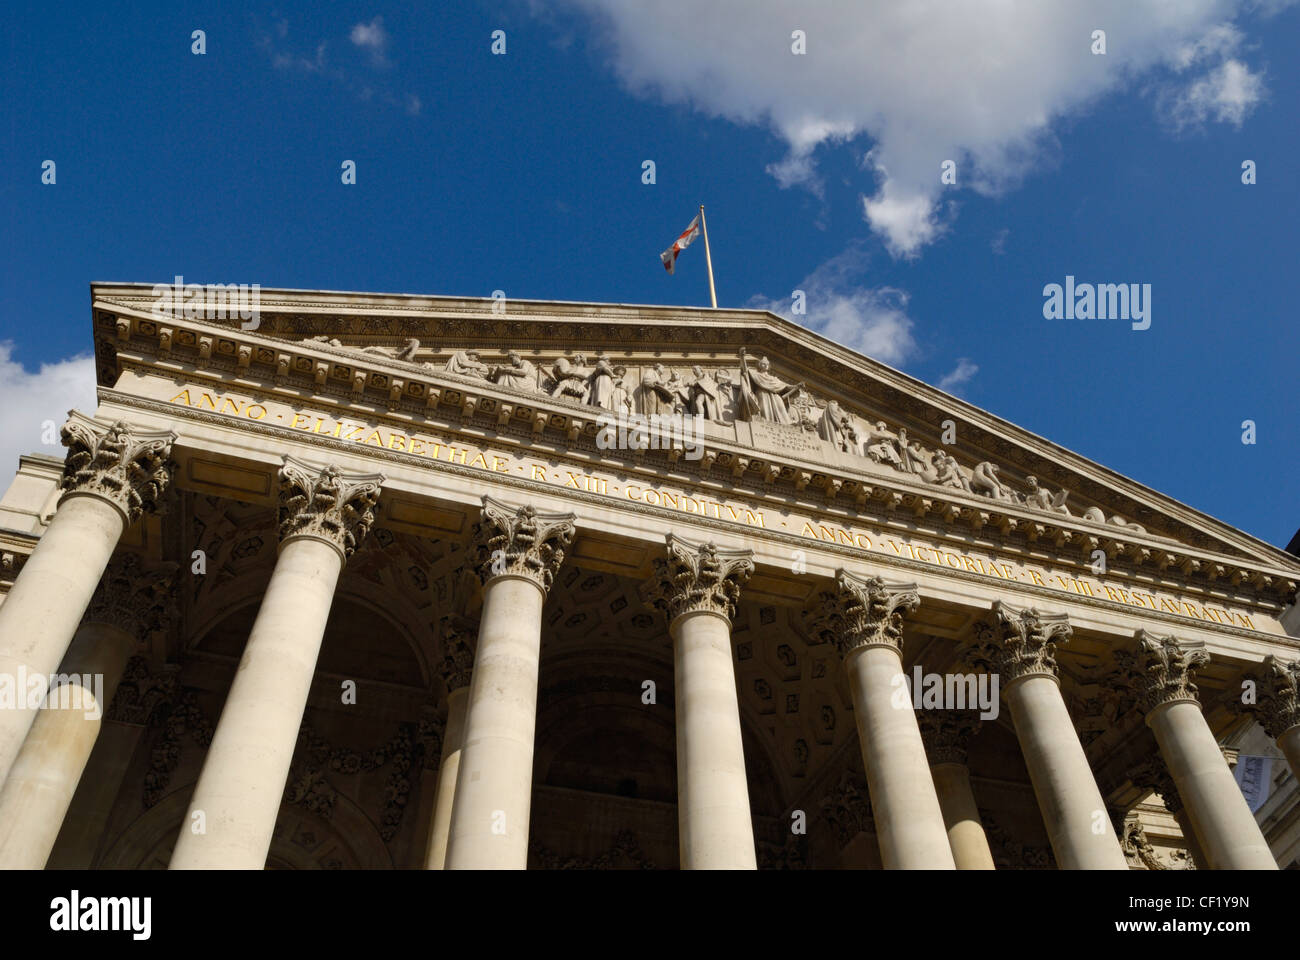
1020, 648
946, 734
519, 552
697, 587
863, 618
1278, 709
111, 475
324, 515
456, 669
126, 607
1161, 674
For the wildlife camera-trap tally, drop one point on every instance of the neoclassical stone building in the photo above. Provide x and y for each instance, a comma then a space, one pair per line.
394, 581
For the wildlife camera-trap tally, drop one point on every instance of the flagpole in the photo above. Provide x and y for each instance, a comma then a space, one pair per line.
708, 258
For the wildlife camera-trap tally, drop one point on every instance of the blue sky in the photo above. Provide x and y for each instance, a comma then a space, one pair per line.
819, 171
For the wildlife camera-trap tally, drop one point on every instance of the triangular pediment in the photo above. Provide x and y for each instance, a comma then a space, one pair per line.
800, 412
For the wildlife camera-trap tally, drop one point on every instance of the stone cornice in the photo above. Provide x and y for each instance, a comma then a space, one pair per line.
472, 320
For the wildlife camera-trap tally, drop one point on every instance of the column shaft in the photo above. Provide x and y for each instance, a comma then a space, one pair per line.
448, 768
242, 782
493, 795
47, 601
1220, 816
906, 810
961, 816
714, 826
44, 777
1289, 744
1067, 793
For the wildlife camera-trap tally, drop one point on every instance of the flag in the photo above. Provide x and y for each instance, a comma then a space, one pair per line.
669, 256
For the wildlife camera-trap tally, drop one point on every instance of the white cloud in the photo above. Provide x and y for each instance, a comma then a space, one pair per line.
959, 376
29, 400
372, 37
1226, 94
871, 321
979, 82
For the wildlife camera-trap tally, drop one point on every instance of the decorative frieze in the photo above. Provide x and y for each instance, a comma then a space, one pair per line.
864, 611
1016, 644
698, 578
1152, 775
1161, 669
127, 466
458, 642
327, 504
521, 542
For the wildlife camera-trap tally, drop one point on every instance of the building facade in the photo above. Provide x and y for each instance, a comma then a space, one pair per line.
392, 581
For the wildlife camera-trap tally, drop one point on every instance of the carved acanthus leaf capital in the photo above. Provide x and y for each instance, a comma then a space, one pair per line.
327, 504
132, 596
1161, 669
698, 577
1152, 775
1016, 644
864, 611
1277, 686
947, 734
519, 541
127, 466
458, 643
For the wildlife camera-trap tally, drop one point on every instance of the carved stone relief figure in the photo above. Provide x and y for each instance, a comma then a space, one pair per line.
702, 391
1042, 499
405, 352
517, 373
948, 473
763, 395
985, 480
653, 396
726, 396
326, 338
834, 427
571, 378
620, 398
600, 384
881, 447
1119, 521
679, 391
467, 364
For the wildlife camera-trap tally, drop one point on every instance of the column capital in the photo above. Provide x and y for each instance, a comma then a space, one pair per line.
130, 467
327, 504
458, 643
132, 596
1152, 774
865, 612
1277, 691
698, 578
521, 542
947, 734
1161, 669
1017, 643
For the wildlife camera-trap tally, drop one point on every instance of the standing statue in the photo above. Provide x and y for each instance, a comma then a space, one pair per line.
600, 385
466, 363
620, 399
654, 395
570, 378
763, 395
518, 373
703, 395
726, 397
679, 392
831, 426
